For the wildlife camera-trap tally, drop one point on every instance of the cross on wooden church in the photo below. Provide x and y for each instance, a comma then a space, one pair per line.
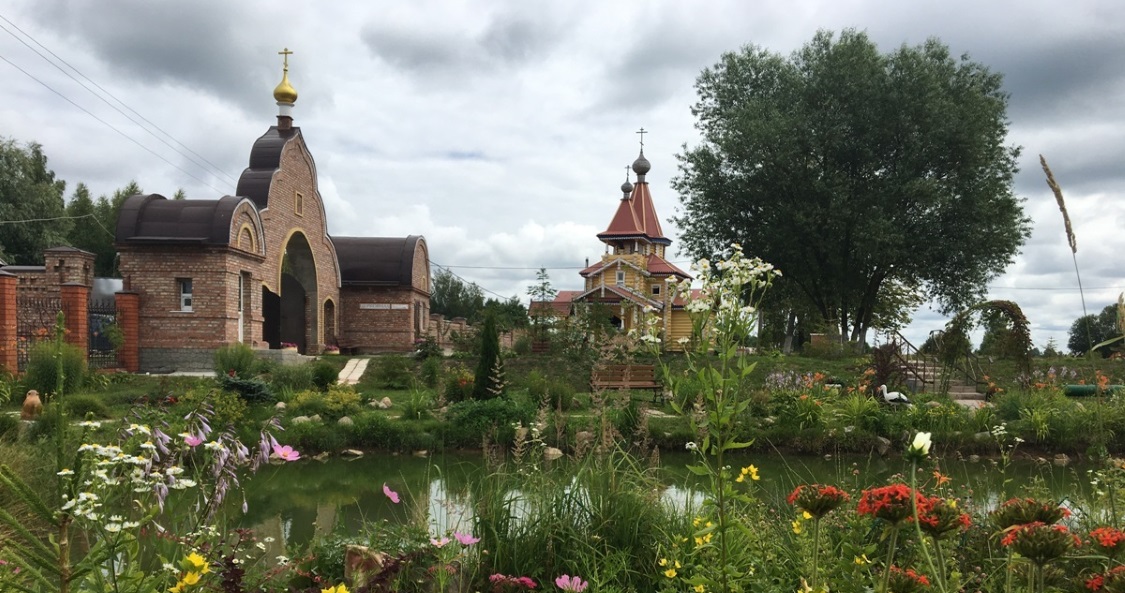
285, 63
642, 132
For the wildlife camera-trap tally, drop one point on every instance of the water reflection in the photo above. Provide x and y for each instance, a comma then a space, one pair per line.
295, 502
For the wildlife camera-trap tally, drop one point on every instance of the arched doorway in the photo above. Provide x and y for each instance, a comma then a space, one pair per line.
330, 322
290, 317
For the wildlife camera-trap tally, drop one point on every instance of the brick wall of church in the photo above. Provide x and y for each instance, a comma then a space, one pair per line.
154, 274
297, 174
379, 319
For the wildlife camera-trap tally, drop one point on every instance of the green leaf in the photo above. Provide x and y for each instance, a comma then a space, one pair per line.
27, 494
737, 445
699, 470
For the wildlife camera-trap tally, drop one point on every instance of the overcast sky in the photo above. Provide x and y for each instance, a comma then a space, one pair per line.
500, 130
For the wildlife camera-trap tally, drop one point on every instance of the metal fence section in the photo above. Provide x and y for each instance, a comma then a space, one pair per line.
35, 322
105, 335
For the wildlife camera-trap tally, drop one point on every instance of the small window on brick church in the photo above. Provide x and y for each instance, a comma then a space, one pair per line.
299, 204
185, 293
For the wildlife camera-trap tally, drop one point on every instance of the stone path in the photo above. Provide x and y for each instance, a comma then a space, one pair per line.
353, 371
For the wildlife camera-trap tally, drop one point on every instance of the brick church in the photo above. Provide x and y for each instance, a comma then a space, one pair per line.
260, 268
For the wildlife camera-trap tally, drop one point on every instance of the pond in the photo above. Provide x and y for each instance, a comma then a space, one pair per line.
294, 502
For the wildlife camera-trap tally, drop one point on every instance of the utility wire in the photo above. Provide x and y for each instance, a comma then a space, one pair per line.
109, 125
111, 105
498, 295
90, 215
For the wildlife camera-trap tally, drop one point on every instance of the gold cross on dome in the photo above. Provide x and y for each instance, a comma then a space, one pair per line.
285, 57
642, 132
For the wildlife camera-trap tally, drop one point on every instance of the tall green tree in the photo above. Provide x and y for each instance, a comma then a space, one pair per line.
850, 169
95, 233
32, 209
1090, 330
489, 376
452, 297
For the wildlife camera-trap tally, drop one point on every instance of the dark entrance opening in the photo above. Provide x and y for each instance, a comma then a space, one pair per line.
271, 318
293, 301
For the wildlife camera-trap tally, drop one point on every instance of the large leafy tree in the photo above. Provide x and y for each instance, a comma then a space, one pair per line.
94, 223
453, 297
1090, 330
853, 170
32, 210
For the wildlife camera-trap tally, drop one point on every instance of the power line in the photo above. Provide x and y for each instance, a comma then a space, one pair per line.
498, 295
109, 125
90, 215
106, 101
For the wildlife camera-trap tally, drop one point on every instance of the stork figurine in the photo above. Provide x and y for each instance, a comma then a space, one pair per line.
893, 397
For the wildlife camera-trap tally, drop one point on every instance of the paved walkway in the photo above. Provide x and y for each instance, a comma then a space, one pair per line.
352, 371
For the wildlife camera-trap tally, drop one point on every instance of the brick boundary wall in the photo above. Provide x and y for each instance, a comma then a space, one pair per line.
129, 320
8, 313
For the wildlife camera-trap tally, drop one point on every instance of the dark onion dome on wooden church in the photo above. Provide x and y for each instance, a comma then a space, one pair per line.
152, 218
378, 261
636, 215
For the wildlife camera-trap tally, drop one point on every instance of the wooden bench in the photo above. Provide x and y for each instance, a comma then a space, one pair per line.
627, 376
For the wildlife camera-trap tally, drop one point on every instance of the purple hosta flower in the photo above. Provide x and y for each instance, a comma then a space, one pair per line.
573, 584
391, 494
466, 539
286, 453
439, 543
161, 440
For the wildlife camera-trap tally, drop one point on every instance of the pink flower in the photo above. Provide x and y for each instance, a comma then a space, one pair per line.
439, 542
286, 453
466, 539
391, 494
573, 584
193, 441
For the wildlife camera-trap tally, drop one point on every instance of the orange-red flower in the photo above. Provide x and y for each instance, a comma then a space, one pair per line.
891, 503
1107, 538
817, 500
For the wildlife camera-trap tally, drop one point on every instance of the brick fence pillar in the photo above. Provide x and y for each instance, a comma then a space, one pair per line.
75, 303
129, 320
9, 360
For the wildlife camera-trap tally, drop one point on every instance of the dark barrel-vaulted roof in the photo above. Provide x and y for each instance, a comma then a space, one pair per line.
265, 159
153, 218
376, 261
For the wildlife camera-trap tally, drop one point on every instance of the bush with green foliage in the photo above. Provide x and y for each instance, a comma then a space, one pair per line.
236, 358
469, 423
430, 372
416, 406
324, 374
252, 389
43, 367
229, 408
9, 427
427, 348
86, 405
393, 371
337, 402
486, 384
459, 384
293, 377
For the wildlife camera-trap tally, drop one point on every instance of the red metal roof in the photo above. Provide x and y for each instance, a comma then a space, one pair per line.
560, 306
622, 293
636, 217
659, 265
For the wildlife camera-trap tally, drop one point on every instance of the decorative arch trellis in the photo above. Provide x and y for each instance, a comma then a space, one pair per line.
956, 331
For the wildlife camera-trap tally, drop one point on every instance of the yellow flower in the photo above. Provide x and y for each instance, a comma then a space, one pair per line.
696, 521
663, 562
677, 564
807, 515
862, 560
709, 525
753, 471
179, 588
670, 573
191, 578
797, 527
341, 588
198, 562
741, 478
699, 588
699, 541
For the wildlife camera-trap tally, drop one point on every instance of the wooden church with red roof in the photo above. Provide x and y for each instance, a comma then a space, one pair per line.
633, 273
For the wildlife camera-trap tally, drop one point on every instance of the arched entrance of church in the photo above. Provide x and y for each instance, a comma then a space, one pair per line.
291, 317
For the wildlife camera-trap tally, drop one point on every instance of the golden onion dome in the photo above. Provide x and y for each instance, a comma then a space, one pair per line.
285, 93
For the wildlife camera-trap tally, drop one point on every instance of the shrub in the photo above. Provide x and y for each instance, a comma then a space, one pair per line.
522, 346
78, 406
487, 384
229, 407
315, 437
561, 395
417, 406
43, 367
9, 427
459, 384
252, 389
324, 374
427, 348
393, 372
308, 403
237, 357
340, 401
430, 372
469, 422
296, 377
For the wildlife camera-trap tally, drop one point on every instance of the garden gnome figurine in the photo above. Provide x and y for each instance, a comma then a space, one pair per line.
32, 406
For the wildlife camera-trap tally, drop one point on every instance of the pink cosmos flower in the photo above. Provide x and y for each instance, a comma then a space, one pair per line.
439, 542
286, 453
193, 441
466, 539
572, 584
391, 494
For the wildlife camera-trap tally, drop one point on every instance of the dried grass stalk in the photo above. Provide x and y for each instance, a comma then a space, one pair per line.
1062, 204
